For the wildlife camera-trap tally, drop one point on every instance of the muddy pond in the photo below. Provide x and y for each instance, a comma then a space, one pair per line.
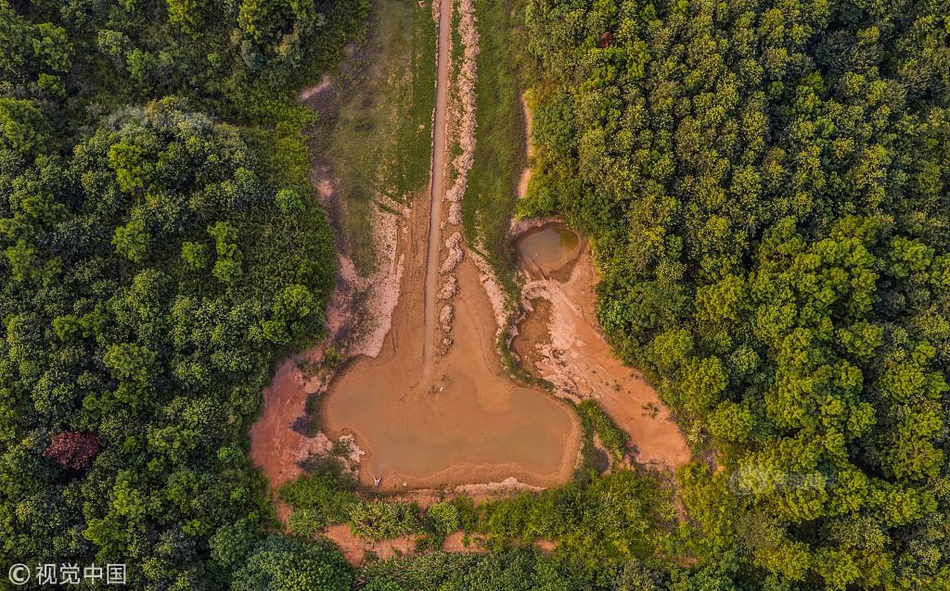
466, 423
547, 249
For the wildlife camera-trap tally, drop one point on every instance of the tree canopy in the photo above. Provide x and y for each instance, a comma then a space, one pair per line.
160, 247
766, 185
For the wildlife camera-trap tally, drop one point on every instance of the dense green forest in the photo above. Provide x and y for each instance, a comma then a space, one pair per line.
161, 246
768, 188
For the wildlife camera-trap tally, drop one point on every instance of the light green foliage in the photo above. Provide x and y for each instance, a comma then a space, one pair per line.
383, 520
731, 422
140, 65
130, 165
195, 255
129, 361
766, 189
22, 127
286, 564
190, 15
131, 240
595, 420
289, 202
227, 267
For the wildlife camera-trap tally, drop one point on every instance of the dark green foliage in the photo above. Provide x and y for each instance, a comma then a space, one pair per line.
155, 262
286, 564
596, 421
323, 496
114, 325
766, 184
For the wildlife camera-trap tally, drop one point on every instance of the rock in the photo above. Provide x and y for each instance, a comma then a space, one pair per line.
455, 256
445, 317
444, 348
454, 240
449, 288
455, 213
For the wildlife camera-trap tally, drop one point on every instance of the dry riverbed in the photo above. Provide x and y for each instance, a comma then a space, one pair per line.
558, 340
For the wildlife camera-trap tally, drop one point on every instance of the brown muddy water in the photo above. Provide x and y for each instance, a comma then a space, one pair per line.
547, 249
466, 423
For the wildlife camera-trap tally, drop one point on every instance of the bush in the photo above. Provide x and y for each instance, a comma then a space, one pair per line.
319, 498
440, 520
286, 564
383, 521
595, 420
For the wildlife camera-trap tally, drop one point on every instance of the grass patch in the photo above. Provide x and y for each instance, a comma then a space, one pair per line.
376, 127
594, 419
500, 139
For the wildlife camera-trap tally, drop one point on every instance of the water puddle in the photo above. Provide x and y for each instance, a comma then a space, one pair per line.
533, 334
548, 249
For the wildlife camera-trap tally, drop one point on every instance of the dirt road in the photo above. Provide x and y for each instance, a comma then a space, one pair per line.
437, 188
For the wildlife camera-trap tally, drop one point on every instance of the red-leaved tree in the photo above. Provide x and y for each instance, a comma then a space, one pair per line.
73, 449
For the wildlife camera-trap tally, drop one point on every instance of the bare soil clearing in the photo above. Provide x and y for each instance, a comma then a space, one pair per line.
468, 423
435, 407
560, 342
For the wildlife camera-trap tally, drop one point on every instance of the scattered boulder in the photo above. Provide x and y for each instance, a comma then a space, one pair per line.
446, 316
455, 256
449, 288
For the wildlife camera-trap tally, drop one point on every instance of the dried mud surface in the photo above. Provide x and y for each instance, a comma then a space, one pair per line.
560, 342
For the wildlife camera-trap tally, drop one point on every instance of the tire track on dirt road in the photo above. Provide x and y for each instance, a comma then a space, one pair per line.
437, 185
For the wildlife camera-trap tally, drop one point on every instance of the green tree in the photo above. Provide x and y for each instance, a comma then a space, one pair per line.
286, 564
